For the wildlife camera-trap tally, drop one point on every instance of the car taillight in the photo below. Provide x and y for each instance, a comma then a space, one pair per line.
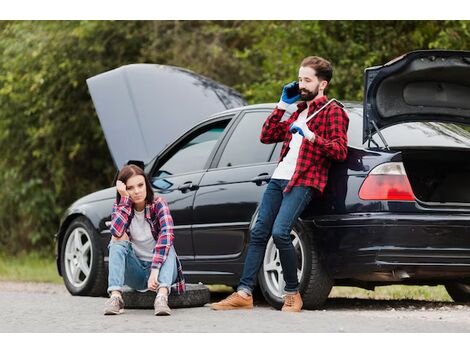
387, 182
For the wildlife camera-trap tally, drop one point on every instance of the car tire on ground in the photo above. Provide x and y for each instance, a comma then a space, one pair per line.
82, 260
459, 291
315, 282
196, 295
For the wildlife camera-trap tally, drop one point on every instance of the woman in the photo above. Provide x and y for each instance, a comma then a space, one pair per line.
141, 253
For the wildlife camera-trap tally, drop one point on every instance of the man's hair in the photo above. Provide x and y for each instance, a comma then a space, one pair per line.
322, 67
132, 170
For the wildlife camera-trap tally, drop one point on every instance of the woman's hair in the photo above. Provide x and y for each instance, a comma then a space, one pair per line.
132, 170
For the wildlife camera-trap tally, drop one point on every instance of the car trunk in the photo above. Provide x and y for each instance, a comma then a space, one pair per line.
439, 177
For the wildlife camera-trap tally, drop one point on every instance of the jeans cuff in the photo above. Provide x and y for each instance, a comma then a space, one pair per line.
114, 288
245, 289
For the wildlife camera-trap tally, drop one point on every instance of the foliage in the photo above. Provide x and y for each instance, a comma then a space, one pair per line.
53, 149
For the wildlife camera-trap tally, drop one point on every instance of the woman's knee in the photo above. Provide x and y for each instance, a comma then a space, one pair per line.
118, 246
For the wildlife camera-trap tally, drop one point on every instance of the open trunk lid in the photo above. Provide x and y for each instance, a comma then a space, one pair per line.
425, 85
144, 107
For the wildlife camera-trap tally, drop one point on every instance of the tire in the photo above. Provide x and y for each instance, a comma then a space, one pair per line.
459, 291
315, 282
82, 260
196, 295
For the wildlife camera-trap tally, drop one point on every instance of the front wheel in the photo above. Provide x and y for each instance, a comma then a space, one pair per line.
315, 283
82, 260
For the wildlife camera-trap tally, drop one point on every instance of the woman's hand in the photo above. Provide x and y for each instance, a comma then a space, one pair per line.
124, 237
121, 188
153, 280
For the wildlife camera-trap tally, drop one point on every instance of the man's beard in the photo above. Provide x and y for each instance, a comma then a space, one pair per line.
306, 95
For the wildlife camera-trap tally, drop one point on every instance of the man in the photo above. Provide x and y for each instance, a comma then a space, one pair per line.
300, 175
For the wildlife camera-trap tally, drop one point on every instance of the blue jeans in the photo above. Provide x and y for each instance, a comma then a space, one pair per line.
126, 269
277, 214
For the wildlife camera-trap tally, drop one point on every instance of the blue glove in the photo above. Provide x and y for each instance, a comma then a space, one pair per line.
290, 93
302, 129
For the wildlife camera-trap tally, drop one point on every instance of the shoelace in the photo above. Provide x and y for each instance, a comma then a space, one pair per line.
289, 300
231, 297
115, 299
161, 298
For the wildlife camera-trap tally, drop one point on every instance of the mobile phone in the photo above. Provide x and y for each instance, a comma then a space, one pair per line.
293, 91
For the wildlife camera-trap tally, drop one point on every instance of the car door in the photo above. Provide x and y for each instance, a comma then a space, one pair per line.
231, 189
176, 176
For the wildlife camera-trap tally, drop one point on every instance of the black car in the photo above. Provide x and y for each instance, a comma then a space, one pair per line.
396, 211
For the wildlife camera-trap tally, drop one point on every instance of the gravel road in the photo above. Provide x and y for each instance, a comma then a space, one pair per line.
32, 307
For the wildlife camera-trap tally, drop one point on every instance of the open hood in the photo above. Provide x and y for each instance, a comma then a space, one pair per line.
144, 107
425, 85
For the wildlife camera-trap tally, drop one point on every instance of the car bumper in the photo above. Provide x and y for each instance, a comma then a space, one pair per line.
396, 247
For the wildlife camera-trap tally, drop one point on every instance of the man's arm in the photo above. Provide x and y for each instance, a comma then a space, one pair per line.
335, 146
273, 130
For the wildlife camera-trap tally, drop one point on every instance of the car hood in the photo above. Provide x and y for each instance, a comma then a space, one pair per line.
144, 107
425, 85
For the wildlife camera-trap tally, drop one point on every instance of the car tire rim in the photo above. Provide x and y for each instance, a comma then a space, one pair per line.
272, 269
78, 257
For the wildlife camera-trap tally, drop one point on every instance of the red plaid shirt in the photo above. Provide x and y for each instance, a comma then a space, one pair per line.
331, 141
158, 216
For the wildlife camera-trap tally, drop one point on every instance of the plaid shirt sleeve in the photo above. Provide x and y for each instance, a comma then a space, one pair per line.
120, 216
335, 145
273, 130
165, 236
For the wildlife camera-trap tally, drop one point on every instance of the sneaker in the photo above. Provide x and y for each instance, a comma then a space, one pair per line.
114, 306
161, 305
234, 301
292, 303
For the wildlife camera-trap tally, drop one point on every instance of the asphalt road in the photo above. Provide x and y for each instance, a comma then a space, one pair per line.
50, 308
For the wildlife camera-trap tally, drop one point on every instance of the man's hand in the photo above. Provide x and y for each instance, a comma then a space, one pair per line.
303, 130
153, 280
121, 188
290, 93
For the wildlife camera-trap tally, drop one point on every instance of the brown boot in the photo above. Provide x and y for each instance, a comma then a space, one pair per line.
234, 301
292, 303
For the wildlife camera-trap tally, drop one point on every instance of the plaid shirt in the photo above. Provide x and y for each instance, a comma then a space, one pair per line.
331, 142
158, 216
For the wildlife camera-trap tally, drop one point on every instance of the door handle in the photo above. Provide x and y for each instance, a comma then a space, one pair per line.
264, 177
187, 186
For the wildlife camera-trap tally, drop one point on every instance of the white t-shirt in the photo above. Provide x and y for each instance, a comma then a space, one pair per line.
286, 168
142, 239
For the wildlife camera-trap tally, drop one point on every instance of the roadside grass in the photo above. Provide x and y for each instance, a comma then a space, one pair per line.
33, 267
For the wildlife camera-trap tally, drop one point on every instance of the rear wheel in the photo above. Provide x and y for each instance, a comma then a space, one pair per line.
315, 283
82, 260
459, 291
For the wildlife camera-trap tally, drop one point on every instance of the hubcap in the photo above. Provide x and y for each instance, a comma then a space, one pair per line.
78, 257
272, 269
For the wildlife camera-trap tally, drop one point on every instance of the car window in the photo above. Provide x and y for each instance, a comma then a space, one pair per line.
355, 127
193, 153
244, 146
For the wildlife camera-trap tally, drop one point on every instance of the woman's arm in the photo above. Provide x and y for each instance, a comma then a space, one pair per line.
165, 236
121, 212
120, 217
